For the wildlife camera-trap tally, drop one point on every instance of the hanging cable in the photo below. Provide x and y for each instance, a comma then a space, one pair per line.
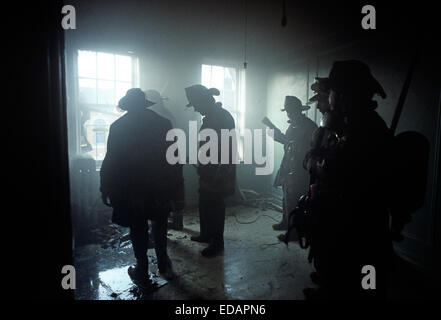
245, 35
284, 19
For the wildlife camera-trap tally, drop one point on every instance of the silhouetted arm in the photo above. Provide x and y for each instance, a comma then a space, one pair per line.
108, 167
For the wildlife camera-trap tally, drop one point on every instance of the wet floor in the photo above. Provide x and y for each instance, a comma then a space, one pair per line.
254, 265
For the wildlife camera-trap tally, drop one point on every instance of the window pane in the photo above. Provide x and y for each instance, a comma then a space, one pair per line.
206, 76
229, 100
100, 138
100, 129
121, 89
217, 78
123, 68
100, 124
230, 79
106, 66
86, 64
97, 131
87, 90
106, 92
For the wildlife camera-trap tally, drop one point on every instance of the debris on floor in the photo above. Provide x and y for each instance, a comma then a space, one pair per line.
261, 201
253, 257
114, 236
110, 235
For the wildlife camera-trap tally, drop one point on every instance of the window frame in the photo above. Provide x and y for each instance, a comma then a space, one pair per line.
240, 99
104, 109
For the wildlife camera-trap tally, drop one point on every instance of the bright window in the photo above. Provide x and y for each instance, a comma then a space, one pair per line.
231, 84
103, 79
